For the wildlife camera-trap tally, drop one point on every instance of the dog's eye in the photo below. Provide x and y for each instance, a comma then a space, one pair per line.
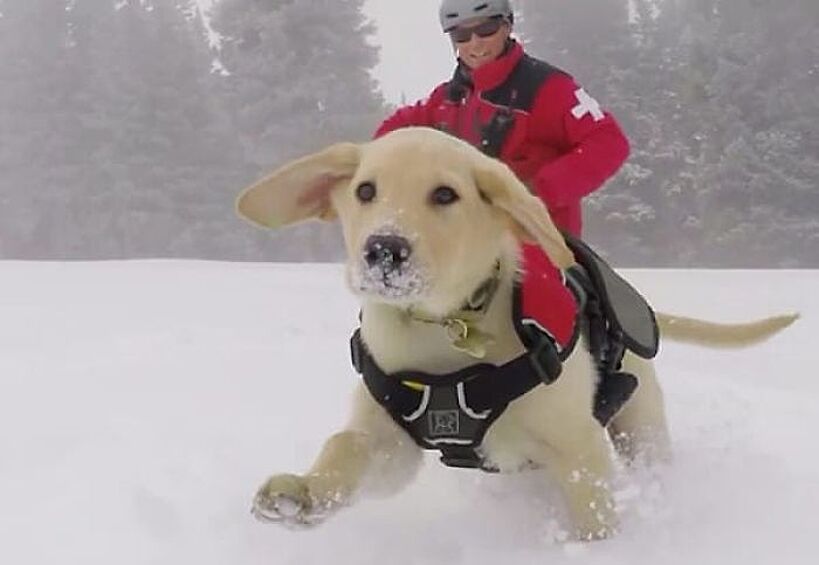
444, 196
365, 192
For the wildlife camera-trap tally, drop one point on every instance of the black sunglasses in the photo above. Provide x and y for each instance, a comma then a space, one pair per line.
486, 29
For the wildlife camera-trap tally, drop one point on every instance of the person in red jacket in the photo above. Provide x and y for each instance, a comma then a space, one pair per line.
532, 116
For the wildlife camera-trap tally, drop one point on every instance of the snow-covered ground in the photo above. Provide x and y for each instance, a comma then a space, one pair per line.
142, 403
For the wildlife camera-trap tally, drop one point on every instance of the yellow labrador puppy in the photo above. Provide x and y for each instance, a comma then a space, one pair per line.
426, 219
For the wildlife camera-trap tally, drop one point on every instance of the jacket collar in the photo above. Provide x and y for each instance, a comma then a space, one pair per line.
494, 73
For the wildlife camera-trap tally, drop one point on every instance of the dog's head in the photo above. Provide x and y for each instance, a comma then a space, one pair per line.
425, 216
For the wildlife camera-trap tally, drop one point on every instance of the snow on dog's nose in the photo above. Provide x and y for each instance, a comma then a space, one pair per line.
387, 252
388, 268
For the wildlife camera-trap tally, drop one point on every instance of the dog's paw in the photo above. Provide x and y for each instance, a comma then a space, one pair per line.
597, 533
286, 500
600, 524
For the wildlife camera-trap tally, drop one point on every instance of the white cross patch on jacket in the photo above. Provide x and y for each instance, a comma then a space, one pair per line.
586, 105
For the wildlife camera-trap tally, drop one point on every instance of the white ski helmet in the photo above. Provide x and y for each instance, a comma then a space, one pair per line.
455, 12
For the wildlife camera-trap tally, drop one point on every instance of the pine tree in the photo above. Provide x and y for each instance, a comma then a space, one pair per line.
298, 80
711, 94
757, 178
35, 114
117, 146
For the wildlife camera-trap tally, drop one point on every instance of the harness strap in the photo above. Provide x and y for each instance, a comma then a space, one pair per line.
487, 385
495, 132
607, 346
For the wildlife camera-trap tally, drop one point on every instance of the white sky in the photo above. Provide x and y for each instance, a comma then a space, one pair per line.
415, 54
143, 402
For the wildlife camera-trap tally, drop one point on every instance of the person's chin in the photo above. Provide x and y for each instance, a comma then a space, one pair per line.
475, 62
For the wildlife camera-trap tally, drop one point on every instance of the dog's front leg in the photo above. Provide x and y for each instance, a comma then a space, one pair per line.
373, 453
584, 472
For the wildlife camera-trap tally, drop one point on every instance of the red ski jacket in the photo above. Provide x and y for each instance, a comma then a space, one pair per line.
561, 144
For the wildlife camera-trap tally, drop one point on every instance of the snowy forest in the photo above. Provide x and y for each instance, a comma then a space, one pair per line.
127, 127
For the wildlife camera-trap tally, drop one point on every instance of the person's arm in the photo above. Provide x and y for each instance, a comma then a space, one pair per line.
418, 114
595, 146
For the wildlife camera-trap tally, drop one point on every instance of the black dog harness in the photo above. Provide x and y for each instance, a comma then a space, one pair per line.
452, 412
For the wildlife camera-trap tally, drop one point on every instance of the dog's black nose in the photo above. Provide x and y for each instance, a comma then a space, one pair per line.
387, 252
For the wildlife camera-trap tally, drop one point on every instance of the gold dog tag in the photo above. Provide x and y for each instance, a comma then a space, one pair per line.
470, 340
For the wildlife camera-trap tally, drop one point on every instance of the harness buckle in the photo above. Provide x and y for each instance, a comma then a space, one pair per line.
495, 132
545, 360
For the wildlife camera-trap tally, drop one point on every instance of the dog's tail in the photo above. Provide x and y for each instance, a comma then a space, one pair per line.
713, 334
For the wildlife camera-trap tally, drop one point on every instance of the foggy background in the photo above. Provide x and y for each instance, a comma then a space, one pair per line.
127, 127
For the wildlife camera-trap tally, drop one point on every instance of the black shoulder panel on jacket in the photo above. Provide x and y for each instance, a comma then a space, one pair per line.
519, 90
459, 85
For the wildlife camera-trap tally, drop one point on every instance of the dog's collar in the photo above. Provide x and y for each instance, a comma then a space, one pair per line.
461, 325
480, 300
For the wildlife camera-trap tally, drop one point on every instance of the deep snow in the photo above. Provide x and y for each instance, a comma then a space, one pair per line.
142, 403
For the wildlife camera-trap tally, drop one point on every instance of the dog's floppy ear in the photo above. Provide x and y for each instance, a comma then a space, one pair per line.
301, 189
530, 216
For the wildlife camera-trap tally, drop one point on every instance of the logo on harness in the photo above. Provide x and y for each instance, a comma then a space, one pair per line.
443, 423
